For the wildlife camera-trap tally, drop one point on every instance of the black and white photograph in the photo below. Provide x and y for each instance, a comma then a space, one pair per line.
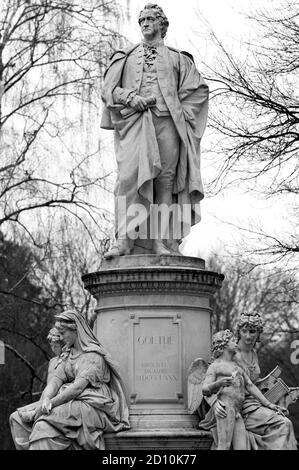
149, 228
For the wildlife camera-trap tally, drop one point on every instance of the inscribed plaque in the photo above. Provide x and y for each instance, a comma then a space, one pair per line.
156, 359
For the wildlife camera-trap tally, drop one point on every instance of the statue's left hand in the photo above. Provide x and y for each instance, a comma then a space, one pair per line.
138, 103
280, 410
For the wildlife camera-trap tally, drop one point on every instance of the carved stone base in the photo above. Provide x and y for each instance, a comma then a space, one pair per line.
164, 429
153, 316
158, 439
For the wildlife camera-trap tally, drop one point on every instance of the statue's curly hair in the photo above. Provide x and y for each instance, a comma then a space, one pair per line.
65, 324
54, 335
220, 341
159, 14
250, 320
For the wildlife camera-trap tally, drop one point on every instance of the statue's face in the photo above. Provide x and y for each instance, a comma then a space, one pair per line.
56, 347
248, 335
68, 337
232, 346
150, 25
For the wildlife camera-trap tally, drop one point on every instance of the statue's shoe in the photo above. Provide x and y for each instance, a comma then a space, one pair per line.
175, 252
120, 249
160, 249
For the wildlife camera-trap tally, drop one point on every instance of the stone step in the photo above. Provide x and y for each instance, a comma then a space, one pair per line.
150, 439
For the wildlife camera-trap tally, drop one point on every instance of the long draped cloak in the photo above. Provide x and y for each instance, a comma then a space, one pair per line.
187, 102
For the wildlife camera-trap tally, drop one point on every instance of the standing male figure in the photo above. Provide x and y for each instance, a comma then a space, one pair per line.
157, 102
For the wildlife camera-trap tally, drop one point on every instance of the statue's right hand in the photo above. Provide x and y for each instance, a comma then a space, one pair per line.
46, 405
38, 412
219, 409
225, 381
138, 103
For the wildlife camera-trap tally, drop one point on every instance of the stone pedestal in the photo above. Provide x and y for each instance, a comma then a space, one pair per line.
153, 316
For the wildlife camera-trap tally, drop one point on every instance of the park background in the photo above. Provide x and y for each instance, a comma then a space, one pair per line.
57, 169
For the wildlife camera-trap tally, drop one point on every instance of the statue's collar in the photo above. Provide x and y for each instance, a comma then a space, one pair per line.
158, 43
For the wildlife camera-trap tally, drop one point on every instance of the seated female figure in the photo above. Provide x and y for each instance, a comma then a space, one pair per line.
84, 397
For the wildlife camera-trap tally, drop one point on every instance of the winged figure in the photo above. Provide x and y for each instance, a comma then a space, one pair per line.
196, 375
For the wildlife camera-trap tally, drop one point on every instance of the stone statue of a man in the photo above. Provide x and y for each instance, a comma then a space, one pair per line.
157, 102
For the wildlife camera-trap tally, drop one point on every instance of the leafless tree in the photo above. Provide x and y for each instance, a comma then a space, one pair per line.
271, 292
254, 114
67, 255
52, 55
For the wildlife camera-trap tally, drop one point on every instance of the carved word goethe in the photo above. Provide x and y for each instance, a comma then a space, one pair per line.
157, 340
295, 354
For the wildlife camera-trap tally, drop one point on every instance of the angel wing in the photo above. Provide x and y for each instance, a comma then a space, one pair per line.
196, 375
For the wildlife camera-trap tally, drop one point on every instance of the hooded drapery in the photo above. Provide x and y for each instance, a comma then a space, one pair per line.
100, 407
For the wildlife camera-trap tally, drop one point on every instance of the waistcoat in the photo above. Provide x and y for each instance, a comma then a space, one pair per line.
150, 87
162, 81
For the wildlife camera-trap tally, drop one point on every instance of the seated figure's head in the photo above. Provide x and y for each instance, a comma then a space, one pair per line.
55, 341
67, 329
221, 341
151, 19
249, 328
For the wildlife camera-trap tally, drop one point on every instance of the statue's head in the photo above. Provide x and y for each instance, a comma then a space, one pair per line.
55, 341
153, 21
222, 340
67, 328
249, 327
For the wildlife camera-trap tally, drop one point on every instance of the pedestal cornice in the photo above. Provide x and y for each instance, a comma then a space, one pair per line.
148, 273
